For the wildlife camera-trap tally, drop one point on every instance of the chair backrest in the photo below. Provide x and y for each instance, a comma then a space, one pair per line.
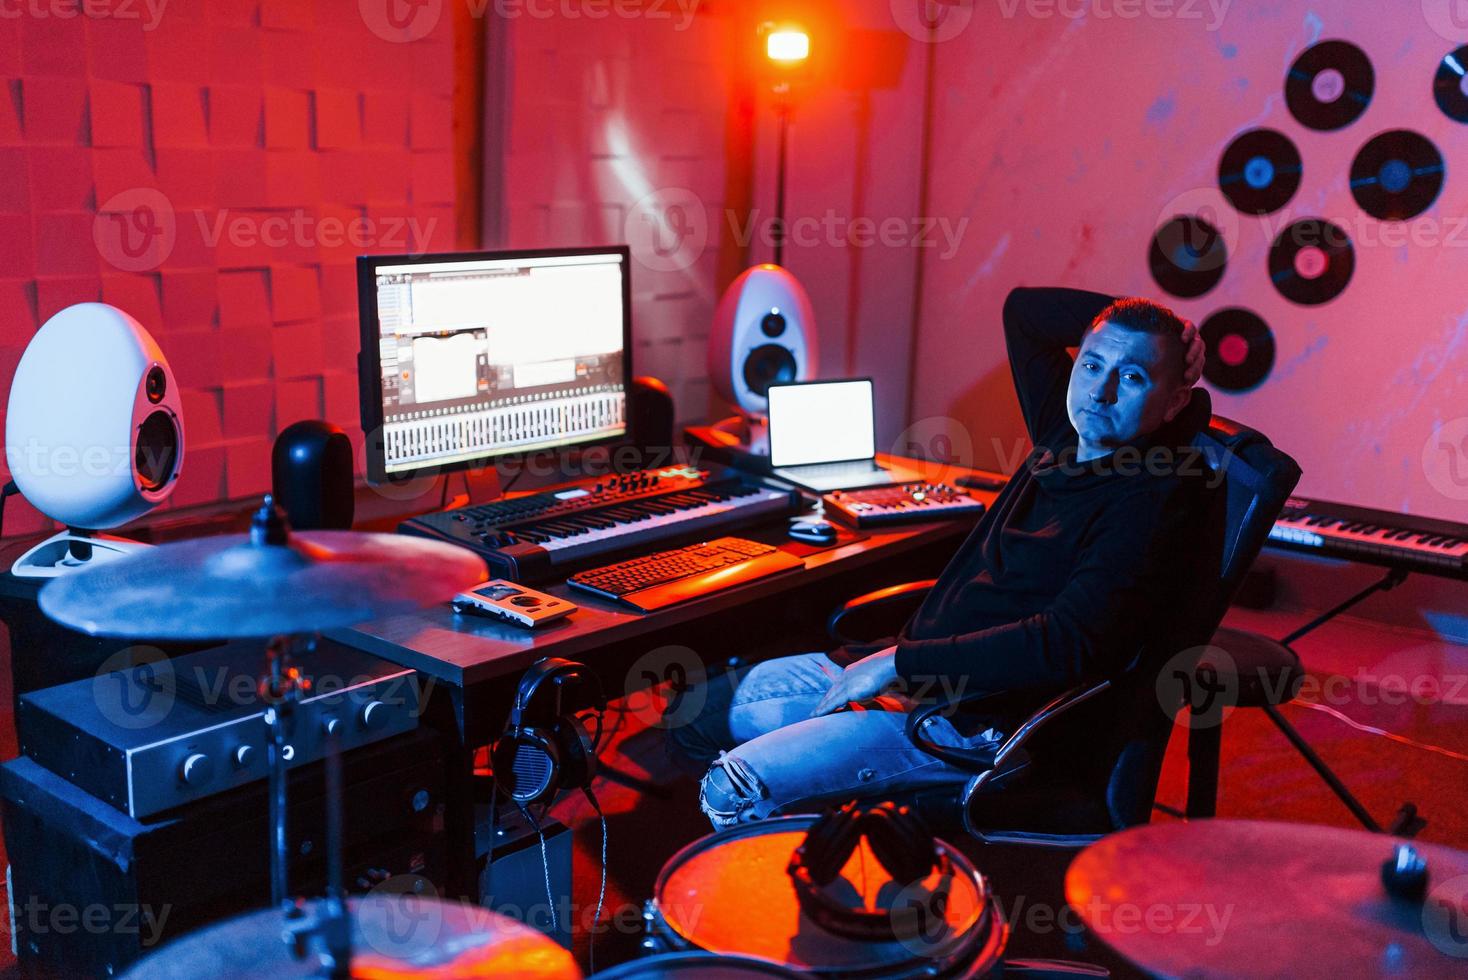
1126, 727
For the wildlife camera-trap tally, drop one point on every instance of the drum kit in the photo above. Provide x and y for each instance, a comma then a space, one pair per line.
1214, 898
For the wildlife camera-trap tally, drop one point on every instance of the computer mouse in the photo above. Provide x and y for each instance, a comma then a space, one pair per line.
814, 532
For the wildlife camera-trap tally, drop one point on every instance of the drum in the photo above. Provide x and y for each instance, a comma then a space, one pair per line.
696, 966
730, 894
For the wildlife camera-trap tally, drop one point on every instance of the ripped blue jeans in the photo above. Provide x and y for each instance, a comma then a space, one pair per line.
769, 756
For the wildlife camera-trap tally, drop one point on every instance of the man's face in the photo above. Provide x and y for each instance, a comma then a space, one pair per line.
1123, 385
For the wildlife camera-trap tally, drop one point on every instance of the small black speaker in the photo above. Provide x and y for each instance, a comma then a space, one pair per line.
650, 414
311, 472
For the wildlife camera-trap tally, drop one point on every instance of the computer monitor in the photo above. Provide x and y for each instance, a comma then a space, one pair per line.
471, 357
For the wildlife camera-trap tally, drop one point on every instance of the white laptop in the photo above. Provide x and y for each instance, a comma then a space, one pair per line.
823, 435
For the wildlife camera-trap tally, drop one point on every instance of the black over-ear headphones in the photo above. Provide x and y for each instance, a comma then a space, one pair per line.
545, 748
900, 842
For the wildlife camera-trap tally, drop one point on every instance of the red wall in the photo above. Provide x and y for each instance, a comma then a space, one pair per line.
249, 149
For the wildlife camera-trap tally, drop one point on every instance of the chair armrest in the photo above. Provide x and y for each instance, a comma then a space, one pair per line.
986, 765
861, 619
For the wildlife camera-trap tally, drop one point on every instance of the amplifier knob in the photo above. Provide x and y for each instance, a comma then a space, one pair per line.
196, 769
332, 726
374, 715
243, 756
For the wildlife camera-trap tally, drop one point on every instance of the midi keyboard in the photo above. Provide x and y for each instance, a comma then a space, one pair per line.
543, 536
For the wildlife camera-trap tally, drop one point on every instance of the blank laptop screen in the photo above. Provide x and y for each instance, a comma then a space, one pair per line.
822, 422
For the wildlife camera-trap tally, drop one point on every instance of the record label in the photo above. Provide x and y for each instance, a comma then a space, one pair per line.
1397, 175
1450, 86
1260, 171
1311, 262
1187, 256
1330, 85
1240, 349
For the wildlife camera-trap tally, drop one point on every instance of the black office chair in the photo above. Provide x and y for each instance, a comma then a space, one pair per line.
1086, 763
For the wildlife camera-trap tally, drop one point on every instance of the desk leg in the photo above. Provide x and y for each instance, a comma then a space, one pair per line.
447, 712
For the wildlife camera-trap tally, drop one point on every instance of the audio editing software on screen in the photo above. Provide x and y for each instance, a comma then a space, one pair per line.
483, 357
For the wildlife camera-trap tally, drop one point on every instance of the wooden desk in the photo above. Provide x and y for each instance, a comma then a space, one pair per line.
476, 663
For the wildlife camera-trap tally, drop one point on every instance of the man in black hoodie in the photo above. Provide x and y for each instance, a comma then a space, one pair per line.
1064, 578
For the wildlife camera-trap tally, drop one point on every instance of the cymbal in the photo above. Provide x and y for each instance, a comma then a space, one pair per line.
393, 936
230, 587
1250, 898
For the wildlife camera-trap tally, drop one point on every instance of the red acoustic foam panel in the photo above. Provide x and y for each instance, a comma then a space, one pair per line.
17, 311
190, 298
137, 294
244, 298
297, 400
298, 350
236, 115
338, 119
295, 293
117, 47
54, 46
215, 174
247, 467
195, 357
116, 113
248, 351
54, 110
287, 119
60, 177
247, 410
56, 293
178, 114
62, 246
201, 481
202, 416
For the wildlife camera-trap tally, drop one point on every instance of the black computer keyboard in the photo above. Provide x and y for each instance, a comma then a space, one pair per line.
680, 574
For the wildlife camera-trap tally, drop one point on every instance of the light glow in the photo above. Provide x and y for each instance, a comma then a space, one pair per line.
788, 46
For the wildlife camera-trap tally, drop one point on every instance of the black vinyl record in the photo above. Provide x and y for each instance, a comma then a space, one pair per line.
1330, 85
1397, 175
1450, 86
1240, 349
1187, 256
1260, 171
1311, 261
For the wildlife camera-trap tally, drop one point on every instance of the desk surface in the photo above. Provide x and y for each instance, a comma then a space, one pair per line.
467, 650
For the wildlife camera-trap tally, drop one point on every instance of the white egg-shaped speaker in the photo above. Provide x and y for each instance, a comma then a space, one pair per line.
94, 432
764, 333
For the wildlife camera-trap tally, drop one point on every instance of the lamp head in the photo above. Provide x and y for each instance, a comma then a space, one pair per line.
787, 46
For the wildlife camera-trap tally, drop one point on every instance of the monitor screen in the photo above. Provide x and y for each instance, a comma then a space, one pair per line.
821, 422
471, 357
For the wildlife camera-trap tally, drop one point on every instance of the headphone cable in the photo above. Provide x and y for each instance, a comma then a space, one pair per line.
544, 864
602, 891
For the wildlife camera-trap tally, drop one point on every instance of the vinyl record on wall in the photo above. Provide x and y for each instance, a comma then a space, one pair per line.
1260, 171
1330, 85
1397, 175
1240, 349
1311, 261
1187, 256
1450, 86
